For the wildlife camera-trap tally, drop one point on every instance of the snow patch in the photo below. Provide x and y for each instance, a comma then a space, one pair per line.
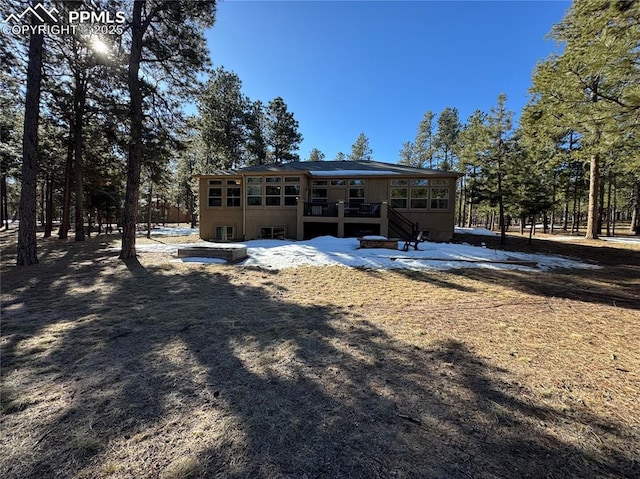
327, 250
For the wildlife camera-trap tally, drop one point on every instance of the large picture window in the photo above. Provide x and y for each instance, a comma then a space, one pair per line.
319, 191
215, 193
272, 195
254, 195
399, 197
419, 198
234, 193
356, 191
291, 194
291, 190
439, 194
439, 198
254, 191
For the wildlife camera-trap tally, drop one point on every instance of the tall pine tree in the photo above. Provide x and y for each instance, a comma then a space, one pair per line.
282, 132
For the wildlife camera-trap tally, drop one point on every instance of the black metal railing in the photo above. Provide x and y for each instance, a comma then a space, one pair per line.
366, 210
321, 209
401, 226
362, 210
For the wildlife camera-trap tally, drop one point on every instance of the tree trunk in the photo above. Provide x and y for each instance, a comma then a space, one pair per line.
601, 191
41, 209
193, 209
149, 206
460, 202
27, 245
79, 96
609, 213
134, 163
575, 225
65, 224
532, 229
503, 226
635, 213
48, 212
4, 210
594, 183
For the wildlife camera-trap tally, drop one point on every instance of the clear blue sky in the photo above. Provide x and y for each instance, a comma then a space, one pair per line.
345, 67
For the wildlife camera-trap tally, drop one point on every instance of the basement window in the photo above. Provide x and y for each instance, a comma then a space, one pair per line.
272, 232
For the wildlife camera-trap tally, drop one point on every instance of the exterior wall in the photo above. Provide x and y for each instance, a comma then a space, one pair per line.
439, 223
249, 221
287, 221
211, 217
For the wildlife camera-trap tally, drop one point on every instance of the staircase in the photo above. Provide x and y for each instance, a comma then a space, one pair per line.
401, 226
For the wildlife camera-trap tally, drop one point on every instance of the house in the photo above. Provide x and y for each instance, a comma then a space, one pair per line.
301, 200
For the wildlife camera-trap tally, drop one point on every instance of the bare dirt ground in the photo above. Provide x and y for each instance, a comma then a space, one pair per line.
160, 369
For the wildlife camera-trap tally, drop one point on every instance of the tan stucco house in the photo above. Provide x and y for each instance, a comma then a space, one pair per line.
301, 200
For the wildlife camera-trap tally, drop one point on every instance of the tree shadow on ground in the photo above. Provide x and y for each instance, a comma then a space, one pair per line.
617, 283
212, 372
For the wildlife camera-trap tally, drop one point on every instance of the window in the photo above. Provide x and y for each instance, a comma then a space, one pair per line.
215, 196
272, 194
439, 198
292, 179
356, 195
338, 182
291, 194
254, 195
419, 182
440, 182
419, 198
356, 191
272, 232
224, 233
399, 182
234, 193
399, 197
254, 191
319, 195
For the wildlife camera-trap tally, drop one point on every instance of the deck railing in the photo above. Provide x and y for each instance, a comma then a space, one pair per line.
367, 210
358, 210
321, 209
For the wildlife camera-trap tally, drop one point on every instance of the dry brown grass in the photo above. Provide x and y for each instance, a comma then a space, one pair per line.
161, 369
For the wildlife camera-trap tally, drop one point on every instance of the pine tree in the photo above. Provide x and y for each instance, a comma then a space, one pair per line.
472, 148
27, 244
593, 86
360, 150
407, 155
171, 35
499, 124
223, 119
256, 149
447, 137
424, 145
316, 155
282, 132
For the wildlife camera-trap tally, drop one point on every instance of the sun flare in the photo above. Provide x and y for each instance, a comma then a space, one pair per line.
99, 46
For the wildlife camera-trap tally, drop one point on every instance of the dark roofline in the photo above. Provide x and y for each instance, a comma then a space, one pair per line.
327, 166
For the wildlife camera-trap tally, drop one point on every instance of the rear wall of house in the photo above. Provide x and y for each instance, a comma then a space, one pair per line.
269, 203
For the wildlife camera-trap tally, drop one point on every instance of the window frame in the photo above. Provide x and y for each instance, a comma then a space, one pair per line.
225, 230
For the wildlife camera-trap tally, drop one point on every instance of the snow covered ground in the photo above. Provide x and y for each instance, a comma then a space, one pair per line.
327, 250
